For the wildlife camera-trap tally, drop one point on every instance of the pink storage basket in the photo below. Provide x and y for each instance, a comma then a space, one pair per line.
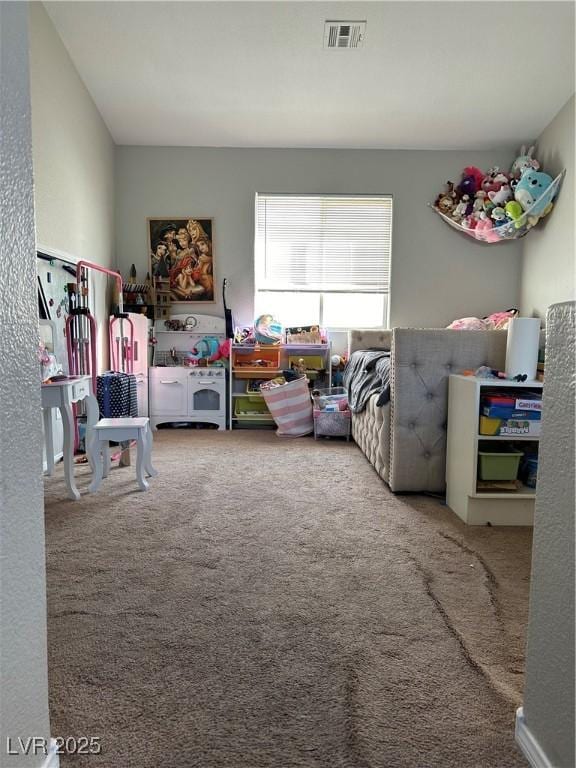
291, 407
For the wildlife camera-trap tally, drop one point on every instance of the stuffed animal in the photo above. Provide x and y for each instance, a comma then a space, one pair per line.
502, 195
534, 194
469, 222
494, 181
461, 209
523, 162
447, 200
515, 212
479, 198
476, 173
222, 352
498, 321
484, 224
467, 186
338, 365
498, 216
485, 230
488, 206
209, 349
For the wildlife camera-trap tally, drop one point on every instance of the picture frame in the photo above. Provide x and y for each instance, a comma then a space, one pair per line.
181, 251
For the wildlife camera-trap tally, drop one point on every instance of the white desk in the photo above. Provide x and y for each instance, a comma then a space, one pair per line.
62, 394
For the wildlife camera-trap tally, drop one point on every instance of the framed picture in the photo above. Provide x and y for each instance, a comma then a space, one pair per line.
181, 252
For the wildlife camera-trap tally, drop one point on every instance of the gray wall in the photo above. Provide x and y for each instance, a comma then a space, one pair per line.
73, 161
549, 689
548, 262
437, 274
23, 663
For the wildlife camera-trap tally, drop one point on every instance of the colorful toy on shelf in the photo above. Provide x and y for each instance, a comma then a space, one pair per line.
338, 365
485, 372
267, 330
209, 349
496, 206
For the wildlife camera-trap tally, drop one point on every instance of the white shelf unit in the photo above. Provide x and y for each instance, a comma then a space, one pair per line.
239, 379
472, 506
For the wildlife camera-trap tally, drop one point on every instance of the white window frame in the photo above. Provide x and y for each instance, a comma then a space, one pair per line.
259, 266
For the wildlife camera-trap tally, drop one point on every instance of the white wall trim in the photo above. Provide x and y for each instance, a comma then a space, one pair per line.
528, 743
52, 759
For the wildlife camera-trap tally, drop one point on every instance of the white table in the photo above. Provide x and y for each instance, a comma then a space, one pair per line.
62, 394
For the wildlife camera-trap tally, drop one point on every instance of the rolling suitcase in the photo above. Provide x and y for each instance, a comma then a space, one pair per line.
117, 395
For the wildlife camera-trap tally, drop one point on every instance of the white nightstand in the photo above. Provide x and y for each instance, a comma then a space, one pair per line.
473, 506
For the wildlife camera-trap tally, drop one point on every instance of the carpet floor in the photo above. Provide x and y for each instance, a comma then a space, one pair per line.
269, 603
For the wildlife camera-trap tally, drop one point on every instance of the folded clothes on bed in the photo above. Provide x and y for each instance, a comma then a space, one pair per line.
367, 373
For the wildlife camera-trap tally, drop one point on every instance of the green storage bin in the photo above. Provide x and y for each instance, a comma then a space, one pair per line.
498, 463
251, 408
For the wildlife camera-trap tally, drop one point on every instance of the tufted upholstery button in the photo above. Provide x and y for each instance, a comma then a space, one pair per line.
411, 425
448, 366
413, 365
427, 455
429, 395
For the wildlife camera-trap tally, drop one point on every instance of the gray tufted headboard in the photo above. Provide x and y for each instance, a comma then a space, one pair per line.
421, 361
360, 338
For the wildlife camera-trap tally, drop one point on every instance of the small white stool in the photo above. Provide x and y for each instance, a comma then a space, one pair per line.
120, 430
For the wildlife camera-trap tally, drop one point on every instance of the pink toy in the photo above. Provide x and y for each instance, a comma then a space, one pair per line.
494, 181
485, 230
469, 222
492, 235
467, 324
496, 322
222, 352
499, 321
483, 227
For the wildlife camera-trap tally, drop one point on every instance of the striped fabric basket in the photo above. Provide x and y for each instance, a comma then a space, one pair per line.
291, 407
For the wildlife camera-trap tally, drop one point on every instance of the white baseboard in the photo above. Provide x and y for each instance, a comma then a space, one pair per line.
52, 759
528, 743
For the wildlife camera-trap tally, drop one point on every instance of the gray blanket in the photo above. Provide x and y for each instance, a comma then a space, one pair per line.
367, 372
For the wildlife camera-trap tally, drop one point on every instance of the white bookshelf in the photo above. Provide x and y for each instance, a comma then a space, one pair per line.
473, 506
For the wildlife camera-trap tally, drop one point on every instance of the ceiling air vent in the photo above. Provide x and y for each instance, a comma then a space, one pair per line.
344, 34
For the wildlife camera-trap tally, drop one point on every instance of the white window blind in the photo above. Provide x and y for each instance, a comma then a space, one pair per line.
323, 243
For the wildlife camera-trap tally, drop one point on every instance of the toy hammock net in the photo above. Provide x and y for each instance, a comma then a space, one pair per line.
511, 229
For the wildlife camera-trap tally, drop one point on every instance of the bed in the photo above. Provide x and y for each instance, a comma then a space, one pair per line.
405, 439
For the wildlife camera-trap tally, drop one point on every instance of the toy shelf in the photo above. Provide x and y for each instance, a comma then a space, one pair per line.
258, 362
473, 504
511, 230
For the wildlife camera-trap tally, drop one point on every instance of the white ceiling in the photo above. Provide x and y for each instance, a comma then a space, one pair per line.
431, 75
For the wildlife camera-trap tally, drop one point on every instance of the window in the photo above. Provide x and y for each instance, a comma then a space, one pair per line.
323, 259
